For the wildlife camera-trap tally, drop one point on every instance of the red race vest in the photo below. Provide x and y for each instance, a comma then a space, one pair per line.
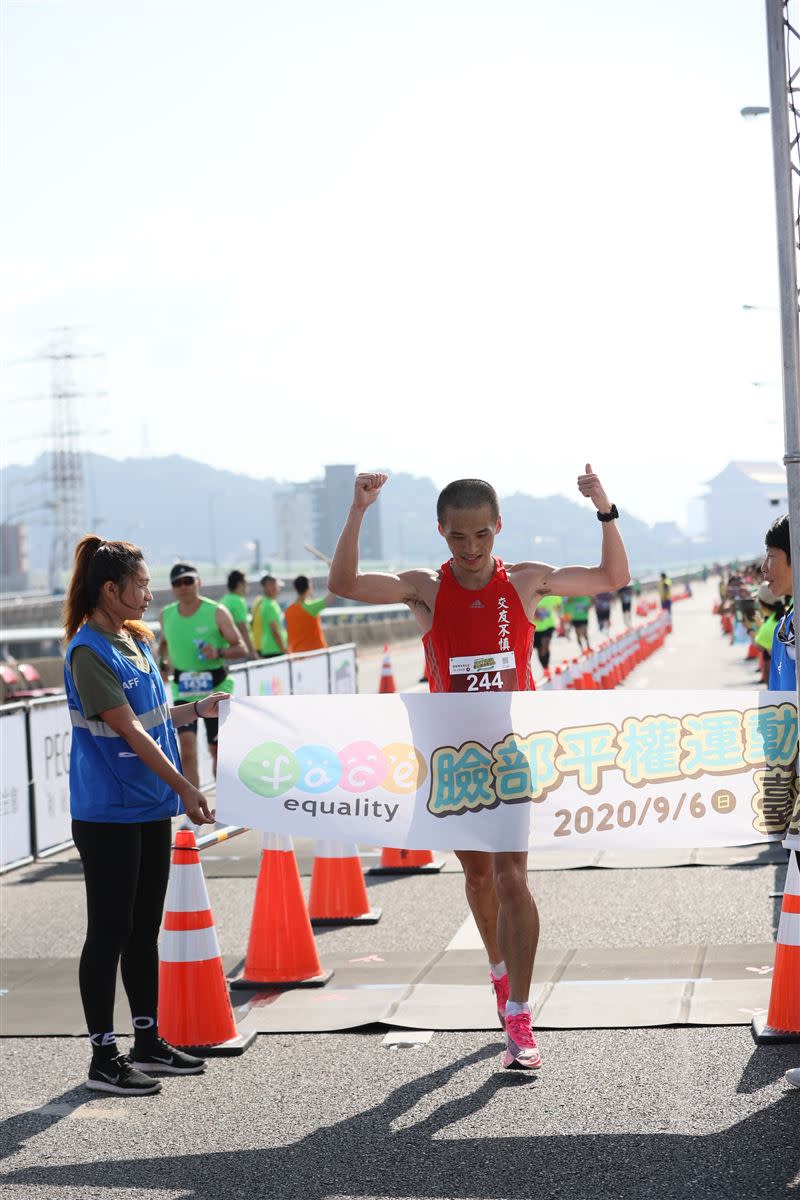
479, 641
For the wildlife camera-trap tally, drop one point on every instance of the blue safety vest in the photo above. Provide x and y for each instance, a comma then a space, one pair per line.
783, 663
107, 781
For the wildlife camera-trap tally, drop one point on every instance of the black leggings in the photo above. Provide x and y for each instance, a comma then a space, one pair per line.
126, 868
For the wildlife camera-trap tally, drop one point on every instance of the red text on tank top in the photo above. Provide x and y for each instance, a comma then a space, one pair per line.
479, 641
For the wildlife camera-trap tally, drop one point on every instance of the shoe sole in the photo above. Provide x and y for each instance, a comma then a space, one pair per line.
164, 1069
516, 1065
97, 1085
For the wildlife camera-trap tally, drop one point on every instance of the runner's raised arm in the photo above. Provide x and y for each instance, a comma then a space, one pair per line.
373, 587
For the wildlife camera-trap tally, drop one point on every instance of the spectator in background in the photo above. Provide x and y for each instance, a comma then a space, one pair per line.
777, 571
602, 608
234, 601
269, 627
665, 593
771, 609
303, 624
626, 600
199, 638
545, 617
577, 609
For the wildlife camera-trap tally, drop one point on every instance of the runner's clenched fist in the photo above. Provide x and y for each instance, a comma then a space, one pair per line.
589, 485
368, 488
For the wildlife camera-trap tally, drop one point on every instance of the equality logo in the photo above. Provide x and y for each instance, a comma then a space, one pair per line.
272, 769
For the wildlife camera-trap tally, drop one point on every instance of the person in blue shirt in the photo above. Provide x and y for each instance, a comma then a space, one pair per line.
126, 783
777, 572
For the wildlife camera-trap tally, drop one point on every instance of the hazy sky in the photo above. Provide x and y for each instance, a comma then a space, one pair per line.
492, 238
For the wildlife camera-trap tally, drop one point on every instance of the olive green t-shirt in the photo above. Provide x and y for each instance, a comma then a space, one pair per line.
97, 686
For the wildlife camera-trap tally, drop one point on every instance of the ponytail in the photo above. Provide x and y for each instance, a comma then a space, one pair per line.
96, 562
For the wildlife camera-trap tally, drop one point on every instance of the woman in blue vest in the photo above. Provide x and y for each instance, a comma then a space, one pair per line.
125, 786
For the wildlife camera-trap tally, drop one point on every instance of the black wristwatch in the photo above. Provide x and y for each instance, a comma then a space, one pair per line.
609, 516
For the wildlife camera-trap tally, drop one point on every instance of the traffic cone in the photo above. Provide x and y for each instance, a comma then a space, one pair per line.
387, 683
577, 675
281, 951
782, 1023
338, 895
407, 862
588, 677
194, 1007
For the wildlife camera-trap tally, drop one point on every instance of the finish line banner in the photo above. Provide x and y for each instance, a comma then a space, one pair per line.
598, 770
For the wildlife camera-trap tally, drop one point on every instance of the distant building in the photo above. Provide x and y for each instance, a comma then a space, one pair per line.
14, 568
313, 514
294, 521
743, 500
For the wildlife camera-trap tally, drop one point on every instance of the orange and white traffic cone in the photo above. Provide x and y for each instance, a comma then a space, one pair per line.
782, 1022
338, 893
281, 951
387, 683
194, 1007
407, 862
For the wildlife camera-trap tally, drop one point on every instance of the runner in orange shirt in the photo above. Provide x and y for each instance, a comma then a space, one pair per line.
303, 621
472, 606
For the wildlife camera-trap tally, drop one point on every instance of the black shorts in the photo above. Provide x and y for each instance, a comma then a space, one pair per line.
541, 635
212, 729
626, 606
580, 624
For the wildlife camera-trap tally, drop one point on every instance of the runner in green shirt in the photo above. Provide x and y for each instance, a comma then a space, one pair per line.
268, 620
234, 601
198, 637
577, 608
545, 616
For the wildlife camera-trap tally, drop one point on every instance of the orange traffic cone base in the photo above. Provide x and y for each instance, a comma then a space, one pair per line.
368, 918
764, 1034
431, 868
242, 983
229, 1049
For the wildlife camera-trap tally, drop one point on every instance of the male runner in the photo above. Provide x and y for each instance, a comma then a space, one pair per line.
198, 636
457, 610
577, 608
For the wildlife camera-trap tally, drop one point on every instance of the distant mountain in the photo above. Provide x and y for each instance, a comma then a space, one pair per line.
177, 508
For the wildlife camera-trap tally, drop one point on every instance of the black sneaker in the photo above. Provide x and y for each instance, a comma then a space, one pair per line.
165, 1058
119, 1076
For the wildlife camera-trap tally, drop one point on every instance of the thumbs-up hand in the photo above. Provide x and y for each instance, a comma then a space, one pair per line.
589, 485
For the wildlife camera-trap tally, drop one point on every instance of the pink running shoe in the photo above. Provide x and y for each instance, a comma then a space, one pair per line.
501, 993
522, 1052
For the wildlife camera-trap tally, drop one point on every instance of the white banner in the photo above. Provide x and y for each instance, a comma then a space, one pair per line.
51, 735
343, 670
621, 769
15, 819
309, 673
270, 678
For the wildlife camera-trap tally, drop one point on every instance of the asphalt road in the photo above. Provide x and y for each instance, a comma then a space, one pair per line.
673, 1113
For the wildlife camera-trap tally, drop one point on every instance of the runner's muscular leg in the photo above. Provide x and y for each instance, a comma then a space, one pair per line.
517, 921
481, 897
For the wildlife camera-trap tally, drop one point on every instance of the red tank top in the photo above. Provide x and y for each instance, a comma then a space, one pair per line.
479, 641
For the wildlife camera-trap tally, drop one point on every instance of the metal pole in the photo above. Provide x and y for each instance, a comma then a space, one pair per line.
787, 267
781, 99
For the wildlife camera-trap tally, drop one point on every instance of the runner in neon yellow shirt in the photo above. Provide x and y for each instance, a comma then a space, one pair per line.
547, 612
